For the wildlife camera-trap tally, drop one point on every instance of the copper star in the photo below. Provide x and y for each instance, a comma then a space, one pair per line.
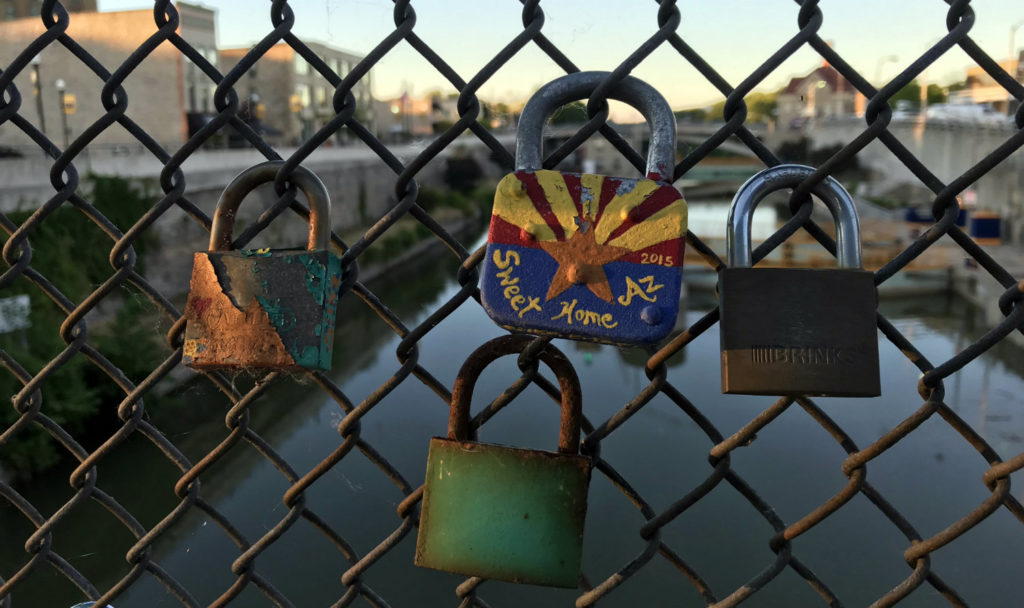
581, 260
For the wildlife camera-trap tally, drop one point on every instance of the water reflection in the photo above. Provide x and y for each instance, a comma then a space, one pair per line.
933, 476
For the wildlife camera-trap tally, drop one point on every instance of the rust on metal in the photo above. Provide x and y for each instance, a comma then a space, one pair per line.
225, 331
568, 381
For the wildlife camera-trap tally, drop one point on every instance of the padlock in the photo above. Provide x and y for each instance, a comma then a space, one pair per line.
264, 308
587, 257
499, 512
797, 331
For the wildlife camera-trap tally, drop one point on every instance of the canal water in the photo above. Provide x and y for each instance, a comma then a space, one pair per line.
933, 476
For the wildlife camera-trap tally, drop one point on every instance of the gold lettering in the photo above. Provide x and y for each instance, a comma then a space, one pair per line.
584, 317
532, 304
650, 287
567, 309
504, 263
507, 263
632, 289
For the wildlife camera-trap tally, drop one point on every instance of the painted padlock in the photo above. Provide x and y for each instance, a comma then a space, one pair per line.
587, 257
797, 331
506, 513
264, 308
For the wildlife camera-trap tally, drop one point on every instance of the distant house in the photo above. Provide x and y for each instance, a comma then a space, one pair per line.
821, 94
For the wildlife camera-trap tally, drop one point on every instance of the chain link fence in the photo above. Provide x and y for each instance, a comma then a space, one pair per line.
197, 478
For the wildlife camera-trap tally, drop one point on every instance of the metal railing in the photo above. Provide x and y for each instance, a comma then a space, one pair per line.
31, 406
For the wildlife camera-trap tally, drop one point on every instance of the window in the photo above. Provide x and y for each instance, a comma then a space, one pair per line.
302, 92
301, 67
321, 96
334, 65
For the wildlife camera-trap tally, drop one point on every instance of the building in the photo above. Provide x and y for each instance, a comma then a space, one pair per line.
57, 89
981, 88
198, 28
406, 118
287, 99
19, 9
823, 93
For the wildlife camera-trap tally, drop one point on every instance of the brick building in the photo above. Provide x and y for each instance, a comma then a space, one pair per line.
18, 9
156, 89
290, 99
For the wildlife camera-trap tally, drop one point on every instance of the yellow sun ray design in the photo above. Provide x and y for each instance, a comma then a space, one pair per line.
590, 193
510, 207
662, 226
557, 195
620, 204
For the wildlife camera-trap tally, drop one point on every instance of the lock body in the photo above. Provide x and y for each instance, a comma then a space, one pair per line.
586, 257
787, 331
503, 513
262, 309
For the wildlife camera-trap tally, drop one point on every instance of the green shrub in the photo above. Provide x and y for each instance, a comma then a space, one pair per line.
72, 252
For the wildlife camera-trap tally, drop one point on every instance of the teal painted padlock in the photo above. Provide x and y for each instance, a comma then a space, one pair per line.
264, 308
506, 513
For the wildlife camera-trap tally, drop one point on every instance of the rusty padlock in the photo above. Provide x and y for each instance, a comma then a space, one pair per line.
587, 257
264, 308
506, 513
797, 331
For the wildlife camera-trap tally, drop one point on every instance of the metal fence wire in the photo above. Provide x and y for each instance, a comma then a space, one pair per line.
191, 488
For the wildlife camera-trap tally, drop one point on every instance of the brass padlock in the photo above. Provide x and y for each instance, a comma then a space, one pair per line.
506, 513
587, 257
797, 331
264, 308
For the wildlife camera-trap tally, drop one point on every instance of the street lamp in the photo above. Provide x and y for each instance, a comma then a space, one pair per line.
1013, 37
59, 83
37, 88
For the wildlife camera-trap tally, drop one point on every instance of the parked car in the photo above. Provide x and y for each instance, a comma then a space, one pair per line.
972, 114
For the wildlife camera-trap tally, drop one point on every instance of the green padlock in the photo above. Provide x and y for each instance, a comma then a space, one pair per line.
506, 513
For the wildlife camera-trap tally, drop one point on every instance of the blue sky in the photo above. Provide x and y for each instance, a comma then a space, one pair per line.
878, 37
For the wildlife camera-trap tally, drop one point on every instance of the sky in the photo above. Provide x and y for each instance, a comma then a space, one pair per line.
877, 37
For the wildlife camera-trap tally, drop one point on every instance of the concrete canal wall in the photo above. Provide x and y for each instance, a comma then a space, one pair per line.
360, 184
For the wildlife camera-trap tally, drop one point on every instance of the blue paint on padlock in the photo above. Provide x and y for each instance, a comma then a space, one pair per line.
587, 257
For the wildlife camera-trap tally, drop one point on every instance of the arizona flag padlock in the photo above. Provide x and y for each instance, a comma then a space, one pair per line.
587, 257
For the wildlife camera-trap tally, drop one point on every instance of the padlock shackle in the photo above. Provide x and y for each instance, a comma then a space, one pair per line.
246, 181
780, 177
580, 85
572, 399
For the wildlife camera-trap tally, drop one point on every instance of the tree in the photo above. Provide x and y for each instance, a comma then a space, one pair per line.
692, 115
760, 108
912, 92
570, 114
